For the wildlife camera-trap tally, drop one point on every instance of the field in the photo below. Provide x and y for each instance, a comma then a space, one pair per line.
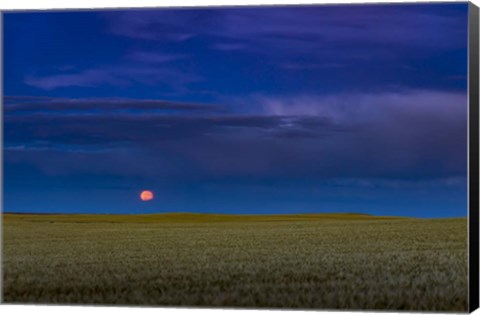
332, 261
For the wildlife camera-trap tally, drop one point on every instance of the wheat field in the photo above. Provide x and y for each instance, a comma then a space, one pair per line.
329, 261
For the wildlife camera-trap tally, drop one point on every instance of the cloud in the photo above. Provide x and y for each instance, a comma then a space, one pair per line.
314, 29
155, 57
143, 145
312, 48
24, 98
20, 105
151, 24
397, 183
395, 24
318, 47
422, 130
228, 46
145, 128
404, 135
311, 66
368, 107
86, 78
117, 76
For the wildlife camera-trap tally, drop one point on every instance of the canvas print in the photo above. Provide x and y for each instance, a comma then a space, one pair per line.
310, 157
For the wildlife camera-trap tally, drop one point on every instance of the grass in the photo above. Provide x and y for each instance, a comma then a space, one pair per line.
329, 261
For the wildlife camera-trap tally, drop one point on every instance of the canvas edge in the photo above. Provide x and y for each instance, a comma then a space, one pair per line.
473, 163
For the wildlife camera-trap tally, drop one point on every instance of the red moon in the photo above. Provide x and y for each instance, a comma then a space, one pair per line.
146, 195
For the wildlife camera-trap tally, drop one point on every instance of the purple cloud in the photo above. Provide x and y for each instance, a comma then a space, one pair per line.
119, 75
386, 135
151, 25
86, 78
298, 66
155, 57
314, 29
21, 105
228, 46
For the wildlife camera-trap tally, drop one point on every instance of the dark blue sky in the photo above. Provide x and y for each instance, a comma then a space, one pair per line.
354, 108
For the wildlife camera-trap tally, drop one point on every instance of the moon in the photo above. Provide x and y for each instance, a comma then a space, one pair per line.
146, 195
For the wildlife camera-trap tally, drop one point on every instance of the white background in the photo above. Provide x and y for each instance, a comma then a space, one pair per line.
84, 4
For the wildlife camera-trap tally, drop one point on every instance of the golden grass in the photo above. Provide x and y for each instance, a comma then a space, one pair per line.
331, 261
188, 217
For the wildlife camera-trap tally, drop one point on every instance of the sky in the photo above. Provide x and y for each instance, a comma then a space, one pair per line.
245, 110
